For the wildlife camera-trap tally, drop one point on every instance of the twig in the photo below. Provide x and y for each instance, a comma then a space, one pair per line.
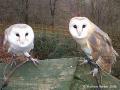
7, 78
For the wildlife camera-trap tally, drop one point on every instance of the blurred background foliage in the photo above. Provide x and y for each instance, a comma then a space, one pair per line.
50, 18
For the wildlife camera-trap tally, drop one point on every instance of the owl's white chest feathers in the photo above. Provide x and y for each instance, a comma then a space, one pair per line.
20, 50
85, 45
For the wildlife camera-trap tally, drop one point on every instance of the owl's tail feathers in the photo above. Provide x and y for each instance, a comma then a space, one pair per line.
105, 64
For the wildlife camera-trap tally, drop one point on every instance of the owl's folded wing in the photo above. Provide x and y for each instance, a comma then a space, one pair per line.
103, 51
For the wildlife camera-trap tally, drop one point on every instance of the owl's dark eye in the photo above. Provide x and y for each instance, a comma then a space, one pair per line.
17, 35
83, 26
26, 34
75, 26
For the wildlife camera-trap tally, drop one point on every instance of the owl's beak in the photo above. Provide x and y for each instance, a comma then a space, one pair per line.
22, 41
79, 33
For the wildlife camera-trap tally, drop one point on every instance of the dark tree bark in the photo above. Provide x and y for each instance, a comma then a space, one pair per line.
52, 4
26, 11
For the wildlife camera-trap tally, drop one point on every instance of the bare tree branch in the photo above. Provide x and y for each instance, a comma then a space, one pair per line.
52, 4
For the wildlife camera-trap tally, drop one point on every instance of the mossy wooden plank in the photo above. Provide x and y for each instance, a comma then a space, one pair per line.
57, 74
51, 74
84, 81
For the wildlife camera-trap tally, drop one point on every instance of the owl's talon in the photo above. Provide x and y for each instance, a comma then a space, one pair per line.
94, 72
13, 63
35, 61
84, 62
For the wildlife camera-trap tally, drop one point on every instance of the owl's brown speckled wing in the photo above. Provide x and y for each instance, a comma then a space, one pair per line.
102, 50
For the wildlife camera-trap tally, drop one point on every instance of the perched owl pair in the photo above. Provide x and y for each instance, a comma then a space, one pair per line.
19, 39
95, 43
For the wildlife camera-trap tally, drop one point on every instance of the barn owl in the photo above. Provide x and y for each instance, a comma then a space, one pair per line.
95, 43
19, 40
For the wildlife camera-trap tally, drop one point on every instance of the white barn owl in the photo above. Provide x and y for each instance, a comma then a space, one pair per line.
19, 40
95, 43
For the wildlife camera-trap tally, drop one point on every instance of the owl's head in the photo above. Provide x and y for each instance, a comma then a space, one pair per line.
20, 35
79, 27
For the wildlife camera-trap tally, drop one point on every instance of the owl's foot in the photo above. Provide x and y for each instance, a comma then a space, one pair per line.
84, 62
94, 72
35, 61
13, 62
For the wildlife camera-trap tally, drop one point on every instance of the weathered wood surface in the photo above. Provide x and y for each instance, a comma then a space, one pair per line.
52, 74
57, 74
84, 81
